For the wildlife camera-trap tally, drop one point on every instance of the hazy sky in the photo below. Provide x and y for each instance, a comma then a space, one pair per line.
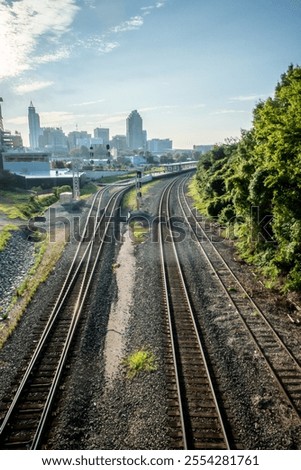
194, 69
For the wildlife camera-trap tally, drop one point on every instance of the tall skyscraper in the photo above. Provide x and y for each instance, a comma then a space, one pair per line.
134, 132
34, 127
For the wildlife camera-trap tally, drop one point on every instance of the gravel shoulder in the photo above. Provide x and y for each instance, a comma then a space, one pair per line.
99, 406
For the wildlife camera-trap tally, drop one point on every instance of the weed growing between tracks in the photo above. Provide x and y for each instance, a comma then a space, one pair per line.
129, 200
139, 232
140, 361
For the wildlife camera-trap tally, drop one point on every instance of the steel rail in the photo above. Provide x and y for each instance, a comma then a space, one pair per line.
68, 284
256, 307
72, 329
277, 338
167, 192
167, 299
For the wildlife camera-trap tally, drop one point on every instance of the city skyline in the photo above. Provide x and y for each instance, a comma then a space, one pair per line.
194, 70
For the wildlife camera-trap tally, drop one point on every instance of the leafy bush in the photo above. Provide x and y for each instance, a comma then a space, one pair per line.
258, 181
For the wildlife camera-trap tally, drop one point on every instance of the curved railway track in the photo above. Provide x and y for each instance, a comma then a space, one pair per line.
196, 419
283, 365
25, 421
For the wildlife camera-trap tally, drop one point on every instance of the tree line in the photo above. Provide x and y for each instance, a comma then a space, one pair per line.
253, 185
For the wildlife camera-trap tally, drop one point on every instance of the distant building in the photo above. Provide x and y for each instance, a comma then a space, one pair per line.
159, 145
76, 137
33, 169
7, 139
102, 133
17, 140
144, 134
202, 148
136, 160
134, 132
118, 142
34, 127
53, 139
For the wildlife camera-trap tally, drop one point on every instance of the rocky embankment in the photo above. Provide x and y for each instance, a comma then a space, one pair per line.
15, 261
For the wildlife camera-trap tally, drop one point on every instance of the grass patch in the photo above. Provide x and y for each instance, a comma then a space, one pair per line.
139, 232
87, 190
5, 235
23, 204
117, 178
46, 257
140, 361
129, 200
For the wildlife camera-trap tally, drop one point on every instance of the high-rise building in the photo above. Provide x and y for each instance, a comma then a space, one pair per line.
102, 133
34, 127
6, 140
134, 132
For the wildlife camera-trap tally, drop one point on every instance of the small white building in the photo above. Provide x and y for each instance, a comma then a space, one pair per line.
136, 160
24, 163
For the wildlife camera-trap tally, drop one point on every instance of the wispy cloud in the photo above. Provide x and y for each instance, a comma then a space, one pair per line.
61, 54
90, 3
197, 106
106, 42
23, 23
87, 103
133, 23
54, 118
247, 98
148, 9
18, 120
228, 111
158, 108
98, 43
32, 33
31, 86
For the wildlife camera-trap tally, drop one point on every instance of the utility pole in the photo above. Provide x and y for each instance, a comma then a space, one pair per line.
76, 181
138, 189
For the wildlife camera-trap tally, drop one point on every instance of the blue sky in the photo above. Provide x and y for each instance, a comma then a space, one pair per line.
194, 69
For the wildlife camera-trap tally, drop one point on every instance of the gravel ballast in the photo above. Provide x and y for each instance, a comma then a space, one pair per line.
99, 407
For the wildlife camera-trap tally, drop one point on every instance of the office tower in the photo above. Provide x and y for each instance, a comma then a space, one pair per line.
34, 127
134, 132
102, 133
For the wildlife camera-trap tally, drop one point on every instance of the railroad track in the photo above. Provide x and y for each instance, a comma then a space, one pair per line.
196, 420
25, 421
283, 365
